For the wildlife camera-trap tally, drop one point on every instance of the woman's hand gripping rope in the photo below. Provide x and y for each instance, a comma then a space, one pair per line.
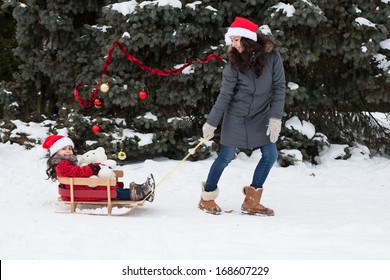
208, 131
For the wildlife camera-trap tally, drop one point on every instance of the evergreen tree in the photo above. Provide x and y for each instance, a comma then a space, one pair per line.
49, 35
332, 50
335, 60
8, 62
162, 37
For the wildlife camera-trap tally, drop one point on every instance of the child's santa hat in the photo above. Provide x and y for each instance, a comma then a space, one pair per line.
241, 27
56, 142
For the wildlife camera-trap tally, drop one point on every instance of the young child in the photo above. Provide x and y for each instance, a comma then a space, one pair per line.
62, 162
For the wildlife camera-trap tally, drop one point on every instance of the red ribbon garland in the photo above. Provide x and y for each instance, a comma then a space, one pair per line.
140, 65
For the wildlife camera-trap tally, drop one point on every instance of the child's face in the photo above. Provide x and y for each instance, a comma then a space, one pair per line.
66, 151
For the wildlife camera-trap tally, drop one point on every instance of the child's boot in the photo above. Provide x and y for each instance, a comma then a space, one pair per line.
143, 191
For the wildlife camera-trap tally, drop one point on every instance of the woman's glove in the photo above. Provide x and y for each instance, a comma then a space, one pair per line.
274, 128
208, 131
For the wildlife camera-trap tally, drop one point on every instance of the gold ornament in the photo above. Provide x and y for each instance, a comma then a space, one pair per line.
122, 155
104, 88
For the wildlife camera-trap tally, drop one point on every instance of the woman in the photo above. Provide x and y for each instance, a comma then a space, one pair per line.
251, 99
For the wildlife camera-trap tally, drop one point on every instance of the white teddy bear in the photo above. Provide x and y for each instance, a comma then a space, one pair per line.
99, 156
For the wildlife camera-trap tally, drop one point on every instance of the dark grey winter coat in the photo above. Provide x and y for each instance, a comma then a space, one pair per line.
247, 103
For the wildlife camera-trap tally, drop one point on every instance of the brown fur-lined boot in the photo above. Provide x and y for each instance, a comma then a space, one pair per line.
252, 204
207, 203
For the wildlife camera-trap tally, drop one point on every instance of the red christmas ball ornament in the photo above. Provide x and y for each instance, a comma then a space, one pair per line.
98, 103
96, 128
142, 95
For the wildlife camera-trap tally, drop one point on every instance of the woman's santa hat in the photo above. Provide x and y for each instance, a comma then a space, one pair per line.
241, 27
56, 142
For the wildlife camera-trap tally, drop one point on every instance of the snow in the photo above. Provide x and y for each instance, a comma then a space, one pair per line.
211, 8
186, 71
146, 139
304, 127
126, 35
336, 210
150, 116
357, 10
193, 4
103, 28
128, 7
125, 8
292, 86
293, 153
364, 21
265, 29
385, 44
32, 129
287, 9
382, 119
382, 61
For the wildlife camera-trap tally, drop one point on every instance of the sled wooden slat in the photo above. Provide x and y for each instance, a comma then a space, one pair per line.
108, 182
87, 181
104, 202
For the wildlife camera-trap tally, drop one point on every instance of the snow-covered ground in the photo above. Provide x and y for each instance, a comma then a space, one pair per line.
336, 210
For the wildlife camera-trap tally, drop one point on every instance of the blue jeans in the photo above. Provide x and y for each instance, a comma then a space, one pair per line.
123, 194
225, 156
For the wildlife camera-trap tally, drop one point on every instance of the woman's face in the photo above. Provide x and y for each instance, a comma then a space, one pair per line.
66, 151
236, 43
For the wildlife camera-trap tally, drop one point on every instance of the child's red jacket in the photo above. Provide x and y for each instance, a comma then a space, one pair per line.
66, 168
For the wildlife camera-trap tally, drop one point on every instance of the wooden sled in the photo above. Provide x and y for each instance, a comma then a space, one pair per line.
108, 201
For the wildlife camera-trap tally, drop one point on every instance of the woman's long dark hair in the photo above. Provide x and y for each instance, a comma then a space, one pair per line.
240, 61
